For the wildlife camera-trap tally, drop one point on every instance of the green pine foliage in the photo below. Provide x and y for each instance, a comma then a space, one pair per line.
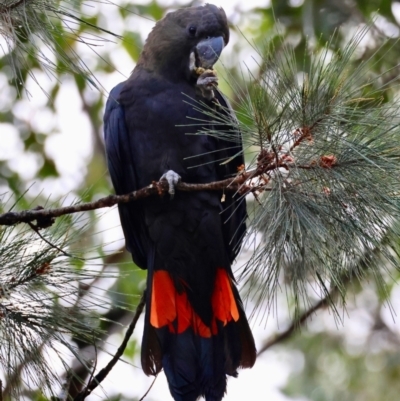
46, 305
322, 144
43, 33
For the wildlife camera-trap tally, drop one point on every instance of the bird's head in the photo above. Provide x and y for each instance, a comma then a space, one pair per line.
186, 39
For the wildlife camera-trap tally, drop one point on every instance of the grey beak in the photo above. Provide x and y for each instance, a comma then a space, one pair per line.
208, 51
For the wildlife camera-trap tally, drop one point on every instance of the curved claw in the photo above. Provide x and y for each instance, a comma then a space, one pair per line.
172, 178
206, 82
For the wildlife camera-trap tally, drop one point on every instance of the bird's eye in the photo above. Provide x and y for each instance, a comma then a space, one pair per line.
192, 30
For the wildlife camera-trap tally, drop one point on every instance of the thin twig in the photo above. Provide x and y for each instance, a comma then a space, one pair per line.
148, 390
235, 184
36, 229
11, 218
326, 301
106, 370
79, 371
86, 390
297, 323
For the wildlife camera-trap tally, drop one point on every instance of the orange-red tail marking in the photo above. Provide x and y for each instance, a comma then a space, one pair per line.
163, 309
169, 307
223, 300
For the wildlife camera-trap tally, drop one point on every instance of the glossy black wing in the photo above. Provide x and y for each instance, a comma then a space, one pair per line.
123, 175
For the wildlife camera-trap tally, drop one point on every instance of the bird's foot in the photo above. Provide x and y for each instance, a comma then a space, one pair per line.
172, 178
206, 82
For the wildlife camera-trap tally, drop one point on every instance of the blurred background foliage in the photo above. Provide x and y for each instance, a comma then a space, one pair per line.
52, 153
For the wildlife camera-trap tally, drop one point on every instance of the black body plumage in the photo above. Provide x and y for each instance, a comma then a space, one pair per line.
149, 129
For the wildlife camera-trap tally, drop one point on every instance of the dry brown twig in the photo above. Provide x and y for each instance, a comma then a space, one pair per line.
96, 380
242, 183
43, 216
296, 324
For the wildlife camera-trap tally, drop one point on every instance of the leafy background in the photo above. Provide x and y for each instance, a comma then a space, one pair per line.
52, 152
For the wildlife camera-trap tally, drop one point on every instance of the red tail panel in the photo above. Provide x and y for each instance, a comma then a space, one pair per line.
163, 309
223, 301
169, 307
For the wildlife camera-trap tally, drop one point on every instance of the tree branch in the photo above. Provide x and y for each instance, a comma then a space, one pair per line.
362, 264
148, 390
265, 164
112, 321
42, 216
94, 382
297, 323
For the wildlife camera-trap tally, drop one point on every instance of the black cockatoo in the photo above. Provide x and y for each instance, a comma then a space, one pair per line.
195, 325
